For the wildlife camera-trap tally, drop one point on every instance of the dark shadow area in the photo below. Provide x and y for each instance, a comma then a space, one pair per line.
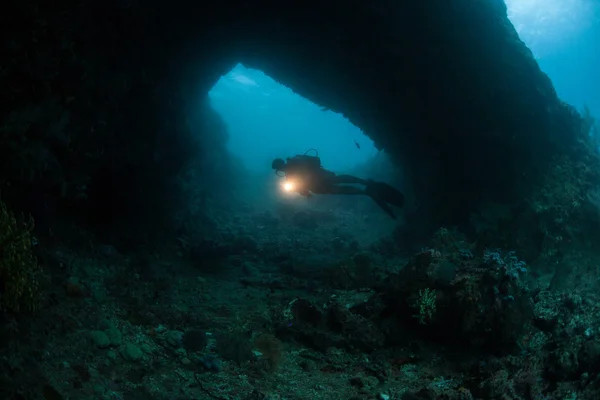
156, 267
449, 89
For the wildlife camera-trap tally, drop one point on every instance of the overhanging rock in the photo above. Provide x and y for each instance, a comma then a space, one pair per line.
446, 87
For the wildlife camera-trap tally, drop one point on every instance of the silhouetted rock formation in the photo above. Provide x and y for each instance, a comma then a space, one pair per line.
97, 94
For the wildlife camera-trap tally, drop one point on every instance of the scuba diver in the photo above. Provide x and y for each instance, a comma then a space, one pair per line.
305, 175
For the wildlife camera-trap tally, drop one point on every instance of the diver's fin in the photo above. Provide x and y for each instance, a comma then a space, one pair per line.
384, 195
385, 207
385, 192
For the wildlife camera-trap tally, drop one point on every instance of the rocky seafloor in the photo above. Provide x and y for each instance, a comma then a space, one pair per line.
299, 304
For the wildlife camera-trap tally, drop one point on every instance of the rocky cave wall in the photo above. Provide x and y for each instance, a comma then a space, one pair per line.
99, 95
447, 88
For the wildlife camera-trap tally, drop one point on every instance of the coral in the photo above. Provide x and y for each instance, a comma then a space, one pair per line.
564, 205
19, 270
459, 297
426, 305
508, 262
562, 190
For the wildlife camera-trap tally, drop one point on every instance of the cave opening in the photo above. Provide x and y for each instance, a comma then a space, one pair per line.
266, 119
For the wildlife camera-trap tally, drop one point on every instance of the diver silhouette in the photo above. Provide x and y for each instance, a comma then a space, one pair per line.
305, 175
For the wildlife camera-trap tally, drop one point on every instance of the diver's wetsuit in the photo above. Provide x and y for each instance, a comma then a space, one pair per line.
336, 184
316, 179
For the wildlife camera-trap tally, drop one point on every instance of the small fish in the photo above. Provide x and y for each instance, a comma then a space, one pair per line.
357, 144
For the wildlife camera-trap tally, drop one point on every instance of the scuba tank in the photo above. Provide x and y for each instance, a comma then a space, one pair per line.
305, 160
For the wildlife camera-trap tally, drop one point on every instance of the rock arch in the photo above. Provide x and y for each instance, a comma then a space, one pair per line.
447, 88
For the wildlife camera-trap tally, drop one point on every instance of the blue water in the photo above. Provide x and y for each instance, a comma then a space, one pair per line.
564, 36
267, 120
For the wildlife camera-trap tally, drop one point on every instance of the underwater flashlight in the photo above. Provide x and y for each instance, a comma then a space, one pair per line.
288, 186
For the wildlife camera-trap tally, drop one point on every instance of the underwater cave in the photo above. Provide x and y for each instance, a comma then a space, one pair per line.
117, 180
447, 89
